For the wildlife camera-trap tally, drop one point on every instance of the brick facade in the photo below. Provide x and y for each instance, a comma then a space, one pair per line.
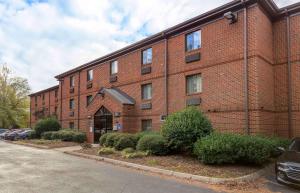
222, 68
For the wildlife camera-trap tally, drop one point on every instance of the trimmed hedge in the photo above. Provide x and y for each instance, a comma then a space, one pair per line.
184, 128
47, 124
124, 141
111, 139
154, 144
234, 148
65, 135
102, 139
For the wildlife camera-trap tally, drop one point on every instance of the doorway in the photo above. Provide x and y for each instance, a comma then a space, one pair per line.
102, 123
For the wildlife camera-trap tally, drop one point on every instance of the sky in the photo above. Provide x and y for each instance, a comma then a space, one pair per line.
40, 39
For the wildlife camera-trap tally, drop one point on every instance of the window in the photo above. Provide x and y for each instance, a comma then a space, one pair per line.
72, 104
56, 93
89, 100
55, 110
35, 99
43, 96
146, 91
114, 67
193, 84
146, 125
193, 41
72, 81
71, 125
89, 75
147, 56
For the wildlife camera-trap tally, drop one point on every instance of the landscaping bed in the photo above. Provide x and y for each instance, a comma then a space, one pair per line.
49, 144
181, 163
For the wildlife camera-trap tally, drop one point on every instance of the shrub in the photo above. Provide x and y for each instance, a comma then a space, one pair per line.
106, 151
139, 135
234, 148
154, 144
111, 139
47, 124
103, 139
124, 141
184, 128
137, 154
32, 135
278, 142
128, 150
47, 135
65, 135
79, 137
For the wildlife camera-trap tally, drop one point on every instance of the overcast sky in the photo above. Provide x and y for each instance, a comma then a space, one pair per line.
43, 38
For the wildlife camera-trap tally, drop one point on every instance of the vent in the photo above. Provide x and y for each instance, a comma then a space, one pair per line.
193, 58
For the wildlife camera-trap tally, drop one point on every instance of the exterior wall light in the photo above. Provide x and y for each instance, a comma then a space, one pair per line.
231, 17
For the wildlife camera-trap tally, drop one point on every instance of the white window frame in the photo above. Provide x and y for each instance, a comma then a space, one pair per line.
144, 91
194, 39
90, 75
147, 56
114, 67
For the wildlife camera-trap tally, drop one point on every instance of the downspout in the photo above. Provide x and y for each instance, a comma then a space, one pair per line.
289, 71
61, 85
246, 77
78, 116
166, 76
49, 104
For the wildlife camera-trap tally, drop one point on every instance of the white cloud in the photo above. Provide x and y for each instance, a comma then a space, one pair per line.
42, 39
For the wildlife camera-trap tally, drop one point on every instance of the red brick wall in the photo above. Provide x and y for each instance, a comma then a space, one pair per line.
222, 70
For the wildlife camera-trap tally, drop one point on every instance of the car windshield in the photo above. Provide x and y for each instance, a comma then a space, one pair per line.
295, 146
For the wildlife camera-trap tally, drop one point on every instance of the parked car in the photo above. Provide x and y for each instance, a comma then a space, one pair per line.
287, 167
2, 135
24, 134
13, 134
2, 130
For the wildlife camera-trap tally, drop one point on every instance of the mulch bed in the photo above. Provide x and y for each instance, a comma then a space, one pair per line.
181, 163
47, 143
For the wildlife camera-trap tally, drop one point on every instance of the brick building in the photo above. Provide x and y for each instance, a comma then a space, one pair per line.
239, 63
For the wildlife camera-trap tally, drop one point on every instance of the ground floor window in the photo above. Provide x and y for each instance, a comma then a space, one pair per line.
71, 125
146, 125
193, 84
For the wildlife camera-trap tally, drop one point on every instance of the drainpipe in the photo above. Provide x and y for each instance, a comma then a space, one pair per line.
30, 112
60, 85
78, 117
246, 78
289, 71
166, 75
49, 104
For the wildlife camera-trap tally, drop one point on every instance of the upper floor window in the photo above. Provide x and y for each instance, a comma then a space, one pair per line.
72, 81
147, 56
114, 67
43, 96
146, 91
193, 41
35, 99
193, 84
56, 93
146, 125
89, 99
89, 75
72, 104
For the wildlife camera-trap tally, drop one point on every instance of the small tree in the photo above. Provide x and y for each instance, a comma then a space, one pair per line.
47, 124
184, 128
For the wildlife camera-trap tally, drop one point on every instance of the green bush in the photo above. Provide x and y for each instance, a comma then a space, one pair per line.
47, 135
102, 139
106, 151
184, 128
233, 148
111, 139
139, 135
65, 135
124, 141
154, 144
132, 155
32, 135
79, 137
276, 142
128, 150
47, 124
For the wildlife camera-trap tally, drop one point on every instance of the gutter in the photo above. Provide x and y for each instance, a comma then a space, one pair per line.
246, 75
289, 71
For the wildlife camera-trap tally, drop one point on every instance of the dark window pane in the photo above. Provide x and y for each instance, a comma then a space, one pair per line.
146, 125
146, 91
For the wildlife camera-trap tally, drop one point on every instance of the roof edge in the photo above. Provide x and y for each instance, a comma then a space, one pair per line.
45, 90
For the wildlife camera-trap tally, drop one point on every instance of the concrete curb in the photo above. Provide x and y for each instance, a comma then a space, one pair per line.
179, 175
28, 144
